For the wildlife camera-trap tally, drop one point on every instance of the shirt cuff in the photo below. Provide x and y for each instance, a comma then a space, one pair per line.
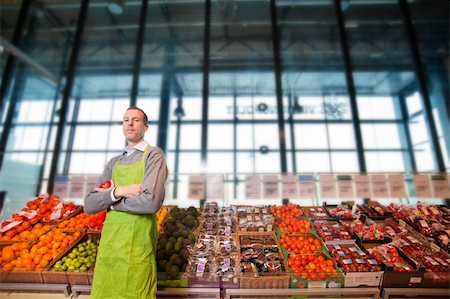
113, 198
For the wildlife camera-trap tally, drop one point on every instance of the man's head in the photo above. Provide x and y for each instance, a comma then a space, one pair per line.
135, 124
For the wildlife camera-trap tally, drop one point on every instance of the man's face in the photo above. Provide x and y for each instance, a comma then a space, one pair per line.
133, 126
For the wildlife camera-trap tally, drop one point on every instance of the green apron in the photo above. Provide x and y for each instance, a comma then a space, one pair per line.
126, 264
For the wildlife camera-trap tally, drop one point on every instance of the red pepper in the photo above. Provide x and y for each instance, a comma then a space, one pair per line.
105, 185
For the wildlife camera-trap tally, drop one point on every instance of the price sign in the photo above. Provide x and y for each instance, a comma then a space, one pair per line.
362, 186
397, 186
61, 187
440, 186
306, 186
196, 187
214, 186
252, 187
271, 189
379, 186
327, 186
422, 186
289, 186
345, 186
77, 184
91, 183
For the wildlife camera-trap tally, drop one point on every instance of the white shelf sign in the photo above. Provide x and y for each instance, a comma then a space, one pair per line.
397, 186
61, 187
91, 183
422, 186
214, 187
289, 186
379, 186
196, 187
345, 187
271, 189
440, 186
306, 186
327, 186
252, 187
77, 184
362, 186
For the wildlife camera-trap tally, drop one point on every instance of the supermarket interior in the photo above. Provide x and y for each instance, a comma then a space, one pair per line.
307, 145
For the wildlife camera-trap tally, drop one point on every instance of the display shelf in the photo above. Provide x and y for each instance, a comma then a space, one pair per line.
354, 293
214, 293
391, 293
43, 287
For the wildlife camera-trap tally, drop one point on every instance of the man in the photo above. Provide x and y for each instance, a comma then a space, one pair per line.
125, 265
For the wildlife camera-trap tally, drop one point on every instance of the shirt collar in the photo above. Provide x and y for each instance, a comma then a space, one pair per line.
141, 146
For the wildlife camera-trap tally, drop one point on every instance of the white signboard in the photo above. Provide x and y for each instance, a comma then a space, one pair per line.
77, 184
61, 186
345, 187
362, 186
196, 187
91, 183
327, 186
422, 186
440, 186
271, 189
214, 186
252, 187
397, 186
306, 186
379, 186
289, 186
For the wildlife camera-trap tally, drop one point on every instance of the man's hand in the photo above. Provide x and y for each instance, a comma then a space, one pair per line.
106, 190
128, 191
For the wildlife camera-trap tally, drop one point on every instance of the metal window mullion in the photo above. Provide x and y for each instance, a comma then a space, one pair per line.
73, 60
205, 90
73, 128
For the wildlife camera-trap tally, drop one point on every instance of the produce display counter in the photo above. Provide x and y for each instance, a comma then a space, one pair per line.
365, 293
39, 287
391, 293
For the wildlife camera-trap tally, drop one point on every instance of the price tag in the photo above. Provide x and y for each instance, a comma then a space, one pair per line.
397, 186
61, 187
196, 187
345, 187
434, 247
327, 186
440, 186
422, 186
362, 186
306, 186
379, 186
252, 187
271, 188
214, 187
77, 185
289, 188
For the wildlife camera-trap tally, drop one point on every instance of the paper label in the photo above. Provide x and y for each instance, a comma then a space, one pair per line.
327, 186
372, 262
337, 246
196, 187
431, 260
77, 187
227, 230
271, 188
397, 186
347, 261
362, 186
214, 187
252, 187
345, 187
379, 186
415, 280
440, 186
360, 261
289, 186
422, 186
441, 261
341, 253
61, 186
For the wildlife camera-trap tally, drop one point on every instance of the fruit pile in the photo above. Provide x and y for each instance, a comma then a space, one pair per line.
293, 226
80, 258
311, 267
366, 231
300, 244
28, 234
316, 213
172, 254
389, 255
342, 211
351, 258
331, 230
83, 221
161, 216
40, 254
51, 207
289, 211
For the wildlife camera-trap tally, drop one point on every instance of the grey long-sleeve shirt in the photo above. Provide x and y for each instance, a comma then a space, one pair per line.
148, 202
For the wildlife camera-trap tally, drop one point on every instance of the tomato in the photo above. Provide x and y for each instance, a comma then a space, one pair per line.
105, 185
